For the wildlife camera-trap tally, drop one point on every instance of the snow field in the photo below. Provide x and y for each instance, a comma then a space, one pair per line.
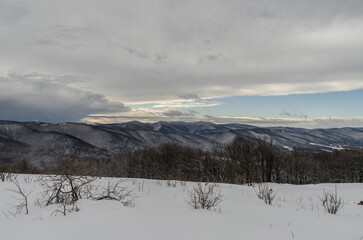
161, 212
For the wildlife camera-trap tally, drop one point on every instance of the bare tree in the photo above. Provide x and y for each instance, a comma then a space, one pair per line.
21, 197
67, 183
265, 193
56, 188
331, 203
66, 205
205, 196
112, 190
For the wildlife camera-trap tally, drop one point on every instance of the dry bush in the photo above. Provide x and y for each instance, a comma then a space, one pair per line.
66, 204
28, 178
61, 188
205, 196
140, 186
171, 183
66, 190
67, 185
183, 184
265, 193
9, 177
21, 197
331, 203
112, 190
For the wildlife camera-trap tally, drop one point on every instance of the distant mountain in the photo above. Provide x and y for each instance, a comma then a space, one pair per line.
41, 143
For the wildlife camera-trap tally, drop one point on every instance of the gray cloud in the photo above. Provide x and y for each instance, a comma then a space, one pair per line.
9, 13
63, 36
157, 58
276, 48
189, 96
208, 59
46, 98
156, 51
295, 114
176, 114
137, 53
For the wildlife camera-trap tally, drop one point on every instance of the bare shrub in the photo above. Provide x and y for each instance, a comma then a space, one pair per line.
21, 197
134, 181
28, 178
9, 177
183, 185
60, 188
171, 183
66, 204
331, 203
140, 186
265, 193
205, 196
112, 190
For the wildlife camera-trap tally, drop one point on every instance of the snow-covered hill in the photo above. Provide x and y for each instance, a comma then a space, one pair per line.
161, 212
41, 143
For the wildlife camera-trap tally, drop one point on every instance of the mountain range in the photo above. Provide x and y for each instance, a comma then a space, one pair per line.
41, 143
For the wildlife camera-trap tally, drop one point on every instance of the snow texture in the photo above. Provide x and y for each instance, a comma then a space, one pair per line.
161, 212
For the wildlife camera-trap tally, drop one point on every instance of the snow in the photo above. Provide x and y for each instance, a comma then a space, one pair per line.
326, 146
161, 212
288, 148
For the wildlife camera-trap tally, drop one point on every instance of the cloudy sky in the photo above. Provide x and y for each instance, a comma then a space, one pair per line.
266, 63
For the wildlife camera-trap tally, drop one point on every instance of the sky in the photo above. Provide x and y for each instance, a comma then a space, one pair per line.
265, 63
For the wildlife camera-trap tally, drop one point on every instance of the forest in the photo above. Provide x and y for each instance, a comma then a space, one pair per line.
246, 160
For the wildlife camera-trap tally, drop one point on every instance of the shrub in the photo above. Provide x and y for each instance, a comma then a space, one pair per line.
265, 193
112, 190
331, 203
205, 196
21, 197
60, 188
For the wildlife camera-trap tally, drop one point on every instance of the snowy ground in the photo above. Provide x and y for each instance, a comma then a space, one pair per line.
161, 212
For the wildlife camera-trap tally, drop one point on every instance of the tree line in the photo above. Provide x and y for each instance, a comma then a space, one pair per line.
245, 160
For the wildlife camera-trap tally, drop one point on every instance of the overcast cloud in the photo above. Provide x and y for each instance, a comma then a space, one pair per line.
46, 98
136, 52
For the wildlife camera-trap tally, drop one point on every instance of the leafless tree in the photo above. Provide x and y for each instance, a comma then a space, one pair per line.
265, 193
67, 182
112, 190
205, 196
171, 183
66, 204
331, 202
21, 197
56, 188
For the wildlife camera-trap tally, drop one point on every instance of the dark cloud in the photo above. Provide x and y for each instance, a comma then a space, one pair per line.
189, 96
177, 114
45, 98
136, 53
154, 57
295, 114
208, 59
